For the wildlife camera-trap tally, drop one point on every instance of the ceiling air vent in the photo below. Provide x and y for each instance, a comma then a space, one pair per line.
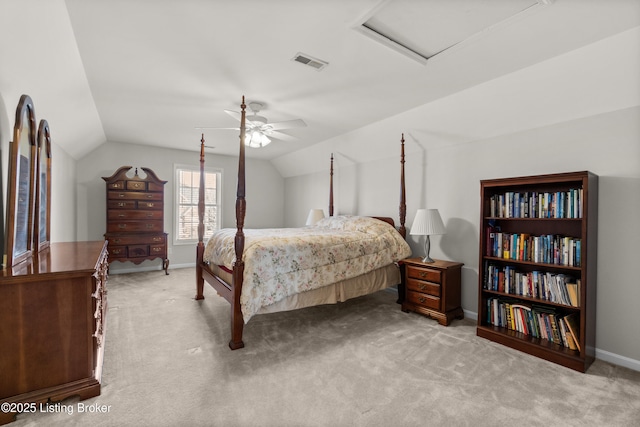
310, 61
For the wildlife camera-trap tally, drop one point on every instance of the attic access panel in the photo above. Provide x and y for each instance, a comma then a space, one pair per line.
425, 28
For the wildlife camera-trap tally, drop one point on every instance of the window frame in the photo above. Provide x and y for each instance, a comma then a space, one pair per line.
177, 168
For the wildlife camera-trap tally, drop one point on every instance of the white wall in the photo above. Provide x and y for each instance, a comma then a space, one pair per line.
448, 178
605, 144
265, 195
64, 216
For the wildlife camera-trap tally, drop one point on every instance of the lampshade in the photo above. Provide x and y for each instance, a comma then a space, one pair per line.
315, 215
256, 139
427, 222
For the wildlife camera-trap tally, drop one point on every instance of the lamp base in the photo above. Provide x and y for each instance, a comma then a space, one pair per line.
427, 249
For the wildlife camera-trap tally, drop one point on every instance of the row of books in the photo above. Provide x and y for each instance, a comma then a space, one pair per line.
547, 248
536, 321
533, 204
557, 288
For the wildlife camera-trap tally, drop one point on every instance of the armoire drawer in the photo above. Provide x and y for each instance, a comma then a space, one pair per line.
134, 226
125, 214
137, 239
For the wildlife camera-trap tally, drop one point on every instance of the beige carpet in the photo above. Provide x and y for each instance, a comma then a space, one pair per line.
359, 363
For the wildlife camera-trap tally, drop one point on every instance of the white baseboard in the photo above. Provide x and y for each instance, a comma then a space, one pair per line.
616, 359
603, 355
126, 270
471, 315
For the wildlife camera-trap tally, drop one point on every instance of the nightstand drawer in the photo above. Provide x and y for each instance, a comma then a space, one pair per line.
425, 287
423, 274
423, 300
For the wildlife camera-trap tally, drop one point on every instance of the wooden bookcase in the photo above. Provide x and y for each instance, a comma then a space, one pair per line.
515, 213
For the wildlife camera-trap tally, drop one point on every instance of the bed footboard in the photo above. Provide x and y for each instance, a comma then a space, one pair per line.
232, 291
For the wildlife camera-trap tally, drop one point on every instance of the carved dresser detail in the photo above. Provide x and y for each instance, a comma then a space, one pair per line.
135, 217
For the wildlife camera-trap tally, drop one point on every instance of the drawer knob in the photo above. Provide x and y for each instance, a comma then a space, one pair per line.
422, 300
122, 225
121, 205
150, 205
121, 195
423, 286
423, 274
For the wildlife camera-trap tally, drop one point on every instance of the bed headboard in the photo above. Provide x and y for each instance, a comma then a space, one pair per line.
403, 195
386, 219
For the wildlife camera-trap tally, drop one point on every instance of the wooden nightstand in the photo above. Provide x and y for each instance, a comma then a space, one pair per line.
432, 289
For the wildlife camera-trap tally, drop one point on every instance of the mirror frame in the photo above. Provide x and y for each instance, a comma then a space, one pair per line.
42, 227
20, 210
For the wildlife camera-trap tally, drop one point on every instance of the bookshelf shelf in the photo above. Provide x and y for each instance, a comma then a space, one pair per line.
537, 281
539, 265
530, 299
534, 219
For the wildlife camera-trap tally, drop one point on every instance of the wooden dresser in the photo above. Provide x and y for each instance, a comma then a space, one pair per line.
52, 312
432, 289
135, 217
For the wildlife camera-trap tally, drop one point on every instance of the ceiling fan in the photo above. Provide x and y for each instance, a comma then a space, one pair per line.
258, 130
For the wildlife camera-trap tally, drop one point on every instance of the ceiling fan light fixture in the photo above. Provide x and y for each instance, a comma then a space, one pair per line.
256, 139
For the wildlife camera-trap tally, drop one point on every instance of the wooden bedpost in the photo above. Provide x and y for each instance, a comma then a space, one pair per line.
331, 188
200, 247
237, 322
403, 197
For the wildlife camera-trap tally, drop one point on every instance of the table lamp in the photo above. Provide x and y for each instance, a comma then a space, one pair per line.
314, 216
426, 223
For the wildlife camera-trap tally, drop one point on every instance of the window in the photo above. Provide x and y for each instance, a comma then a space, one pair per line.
187, 189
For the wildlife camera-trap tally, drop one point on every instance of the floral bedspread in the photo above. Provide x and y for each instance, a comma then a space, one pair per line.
284, 261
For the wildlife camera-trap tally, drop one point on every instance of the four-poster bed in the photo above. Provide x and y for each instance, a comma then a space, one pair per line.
270, 270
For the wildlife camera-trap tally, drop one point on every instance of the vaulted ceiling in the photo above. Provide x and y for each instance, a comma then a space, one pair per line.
152, 71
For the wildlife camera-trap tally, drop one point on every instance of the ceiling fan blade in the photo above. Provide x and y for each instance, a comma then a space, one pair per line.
281, 136
205, 127
288, 124
234, 114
